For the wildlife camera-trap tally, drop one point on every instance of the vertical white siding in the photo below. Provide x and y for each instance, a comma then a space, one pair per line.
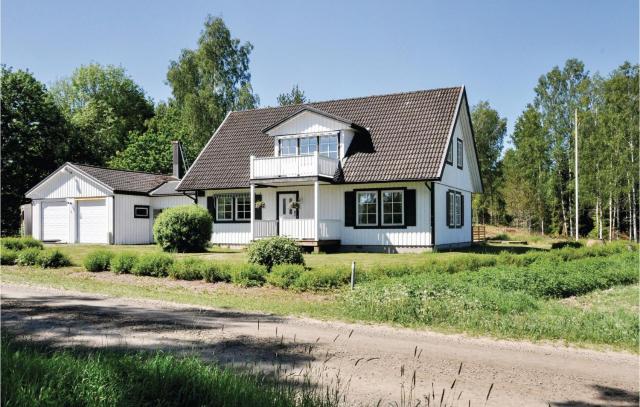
452, 175
63, 184
36, 229
307, 122
444, 234
130, 230
162, 202
228, 233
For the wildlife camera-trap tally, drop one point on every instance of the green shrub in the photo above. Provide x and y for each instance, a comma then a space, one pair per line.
98, 260
275, 250
19, 243
153, 264
187, 269
322, 279
213, 272
567, 243
123, 262
184, 228
53, 258
8, 257
284, 275
28, 257
249, 275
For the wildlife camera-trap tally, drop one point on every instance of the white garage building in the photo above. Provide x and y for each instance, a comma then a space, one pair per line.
87, 204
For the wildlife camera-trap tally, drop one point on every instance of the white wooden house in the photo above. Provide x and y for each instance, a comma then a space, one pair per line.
393, 173
87, 204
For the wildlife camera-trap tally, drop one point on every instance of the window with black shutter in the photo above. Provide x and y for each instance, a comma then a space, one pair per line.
455, 209
380, 208
349, 208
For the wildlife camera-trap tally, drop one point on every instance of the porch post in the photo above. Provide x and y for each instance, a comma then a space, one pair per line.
252, 197
316, 211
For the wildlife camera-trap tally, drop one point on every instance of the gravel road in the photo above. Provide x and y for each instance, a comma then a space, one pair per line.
367, 359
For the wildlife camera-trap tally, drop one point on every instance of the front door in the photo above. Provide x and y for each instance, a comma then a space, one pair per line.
285, 206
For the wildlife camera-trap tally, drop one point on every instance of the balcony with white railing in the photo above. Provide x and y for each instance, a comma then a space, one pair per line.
298, 229
293, 166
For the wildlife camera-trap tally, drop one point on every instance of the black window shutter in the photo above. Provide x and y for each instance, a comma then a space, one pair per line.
448, 204
410, 207
461, 210
258, 211
211, 207
349, 208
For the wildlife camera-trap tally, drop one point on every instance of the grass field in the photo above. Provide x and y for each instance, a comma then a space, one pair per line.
34, 374
585, 300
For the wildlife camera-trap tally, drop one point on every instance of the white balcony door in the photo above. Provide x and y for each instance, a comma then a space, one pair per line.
286, 212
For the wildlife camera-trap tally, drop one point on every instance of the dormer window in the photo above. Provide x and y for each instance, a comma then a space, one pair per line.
288, 147
308, 145
329, 146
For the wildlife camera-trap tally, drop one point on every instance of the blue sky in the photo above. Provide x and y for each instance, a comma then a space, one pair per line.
333, 49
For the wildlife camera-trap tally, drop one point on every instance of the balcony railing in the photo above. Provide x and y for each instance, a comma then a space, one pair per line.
294, 166
299, 229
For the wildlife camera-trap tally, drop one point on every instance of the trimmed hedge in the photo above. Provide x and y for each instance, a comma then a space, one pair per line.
153, 264
249, 275
98, 260
53, 258
8, 257
122, 263
322, 279
216, 272
20, 243
285, 275
28, 257
184, 228
187, 269
273, 251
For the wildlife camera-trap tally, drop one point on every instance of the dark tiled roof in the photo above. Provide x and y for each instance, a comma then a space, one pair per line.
406, 139
126, 181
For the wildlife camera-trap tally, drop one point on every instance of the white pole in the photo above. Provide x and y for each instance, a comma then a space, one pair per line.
576, 164
316, 210
353, 274
252, 200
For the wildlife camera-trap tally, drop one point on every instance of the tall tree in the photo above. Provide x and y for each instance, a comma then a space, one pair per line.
103, 105
151, 151
490, 130
295, 97
34, 140
211, 80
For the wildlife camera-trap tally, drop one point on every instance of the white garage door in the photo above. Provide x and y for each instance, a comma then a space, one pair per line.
55, 221
93, 221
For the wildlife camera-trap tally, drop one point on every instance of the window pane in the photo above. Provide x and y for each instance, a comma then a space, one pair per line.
288, 147
367, 208
224, 208
308, 145
459, 153
243, 207
450, 154
393, 208
329, 146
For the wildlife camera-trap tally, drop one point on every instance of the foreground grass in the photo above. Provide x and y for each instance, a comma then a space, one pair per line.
507, 306
35, 375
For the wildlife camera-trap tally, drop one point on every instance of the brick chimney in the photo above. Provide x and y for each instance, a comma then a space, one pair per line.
178, 160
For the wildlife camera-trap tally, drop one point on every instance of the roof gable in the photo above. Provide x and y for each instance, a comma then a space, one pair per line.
405, 139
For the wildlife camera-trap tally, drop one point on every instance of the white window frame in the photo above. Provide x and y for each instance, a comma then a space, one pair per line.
307, 139
392, 191
288, 140
375, 194
218, 198
329, 152
247, 199
458, 210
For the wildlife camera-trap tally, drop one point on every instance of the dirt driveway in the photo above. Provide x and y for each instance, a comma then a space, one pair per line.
368, 359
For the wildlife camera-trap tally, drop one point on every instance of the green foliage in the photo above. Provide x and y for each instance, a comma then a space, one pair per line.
295, 97
103, 105
153, 264
213, 272
8, 257
211, 81
285, 275
184, 228
249, 275
53, 258
123, 262
35, 375
34, 140
188, 269
275, 250
322, 279
28, 257
19, 243
98, 260
566, 243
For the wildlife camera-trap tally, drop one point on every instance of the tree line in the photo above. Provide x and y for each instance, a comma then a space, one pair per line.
100, 116
532, 184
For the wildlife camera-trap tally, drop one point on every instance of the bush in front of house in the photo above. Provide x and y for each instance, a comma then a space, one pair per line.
19, 243
213, 272
53, 258
28, 257
249, 275
153, 264
275, 250
184, 228
98, 260
285, 275
324, 278
123, 262
187, 269
8, 257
